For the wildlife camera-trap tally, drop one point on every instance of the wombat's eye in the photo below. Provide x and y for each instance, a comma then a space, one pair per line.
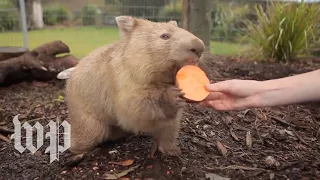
165, 36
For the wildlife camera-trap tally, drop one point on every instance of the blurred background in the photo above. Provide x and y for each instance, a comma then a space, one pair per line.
87, 24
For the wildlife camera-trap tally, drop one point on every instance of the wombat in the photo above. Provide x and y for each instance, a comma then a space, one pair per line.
128, 87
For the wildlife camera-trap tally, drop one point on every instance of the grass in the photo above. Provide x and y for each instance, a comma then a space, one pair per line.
83, 40
284, 31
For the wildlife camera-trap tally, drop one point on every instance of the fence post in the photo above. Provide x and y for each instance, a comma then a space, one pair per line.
24, 23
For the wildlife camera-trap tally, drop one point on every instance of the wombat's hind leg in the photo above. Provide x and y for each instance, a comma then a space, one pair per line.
117, 133
165, 141
85, 136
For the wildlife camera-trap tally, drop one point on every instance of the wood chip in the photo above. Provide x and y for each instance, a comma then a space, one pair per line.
221, 148
122, 163
234, 167
249, 140
212, 176
2, 123
119, 175
300, 138
318, 133
228, 119
271, 161
234, 135
4, 138
260, 115
282, 121
40, 84
4, 129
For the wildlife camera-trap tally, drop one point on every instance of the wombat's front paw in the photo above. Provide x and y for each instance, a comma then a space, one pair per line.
170, 150
174, 96
165, 149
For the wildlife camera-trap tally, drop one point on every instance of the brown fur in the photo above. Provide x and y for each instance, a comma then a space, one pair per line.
129, 86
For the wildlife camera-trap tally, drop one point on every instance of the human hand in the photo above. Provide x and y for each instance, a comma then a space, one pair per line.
233, 95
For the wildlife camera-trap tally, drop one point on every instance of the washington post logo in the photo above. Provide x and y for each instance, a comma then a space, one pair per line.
54, 147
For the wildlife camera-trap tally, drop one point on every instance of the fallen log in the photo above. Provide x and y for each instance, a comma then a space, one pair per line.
8, 52
39, 64
52, 48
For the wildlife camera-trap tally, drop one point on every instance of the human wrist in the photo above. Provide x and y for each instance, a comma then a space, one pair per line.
269, 93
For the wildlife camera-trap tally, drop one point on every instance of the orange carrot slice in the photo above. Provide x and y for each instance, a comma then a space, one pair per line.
192, 80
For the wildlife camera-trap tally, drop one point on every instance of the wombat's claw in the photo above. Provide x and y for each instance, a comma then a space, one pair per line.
177, 94
74, 160
153, 150
172, 151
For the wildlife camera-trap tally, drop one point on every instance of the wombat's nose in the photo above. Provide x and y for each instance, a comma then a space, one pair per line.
197, 47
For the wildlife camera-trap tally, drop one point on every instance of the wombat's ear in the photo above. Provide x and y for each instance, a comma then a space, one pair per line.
173, 22
125, 24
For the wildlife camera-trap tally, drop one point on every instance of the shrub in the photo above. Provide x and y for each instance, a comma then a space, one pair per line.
9, 16
228, 21
89, 13
9, 21
284, 31
55, 15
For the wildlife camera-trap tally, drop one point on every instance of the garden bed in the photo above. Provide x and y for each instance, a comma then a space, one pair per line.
284, 139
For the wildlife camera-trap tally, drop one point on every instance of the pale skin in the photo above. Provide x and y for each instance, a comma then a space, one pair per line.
239, 94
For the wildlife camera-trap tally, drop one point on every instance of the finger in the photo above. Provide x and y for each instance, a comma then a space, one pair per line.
219, 86
214, 96
241, 104
217, 105
205, 104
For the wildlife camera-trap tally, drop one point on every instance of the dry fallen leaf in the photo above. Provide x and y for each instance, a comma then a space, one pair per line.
221, 148
249, 140
122, 163
119, 175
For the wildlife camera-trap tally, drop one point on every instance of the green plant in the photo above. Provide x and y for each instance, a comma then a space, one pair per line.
284, 31
9, 21
228, 20
89, 13
55, 14
9, 16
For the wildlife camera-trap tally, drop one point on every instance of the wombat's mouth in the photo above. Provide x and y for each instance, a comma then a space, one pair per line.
192, 62
187, 61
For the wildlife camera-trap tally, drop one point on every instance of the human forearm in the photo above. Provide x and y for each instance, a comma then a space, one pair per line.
289, 90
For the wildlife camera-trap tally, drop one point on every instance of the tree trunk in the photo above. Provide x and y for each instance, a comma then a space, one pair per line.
37, 17
18, 64
196, 18
30, 6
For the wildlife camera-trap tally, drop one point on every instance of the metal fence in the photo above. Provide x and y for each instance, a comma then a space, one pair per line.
227, 16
